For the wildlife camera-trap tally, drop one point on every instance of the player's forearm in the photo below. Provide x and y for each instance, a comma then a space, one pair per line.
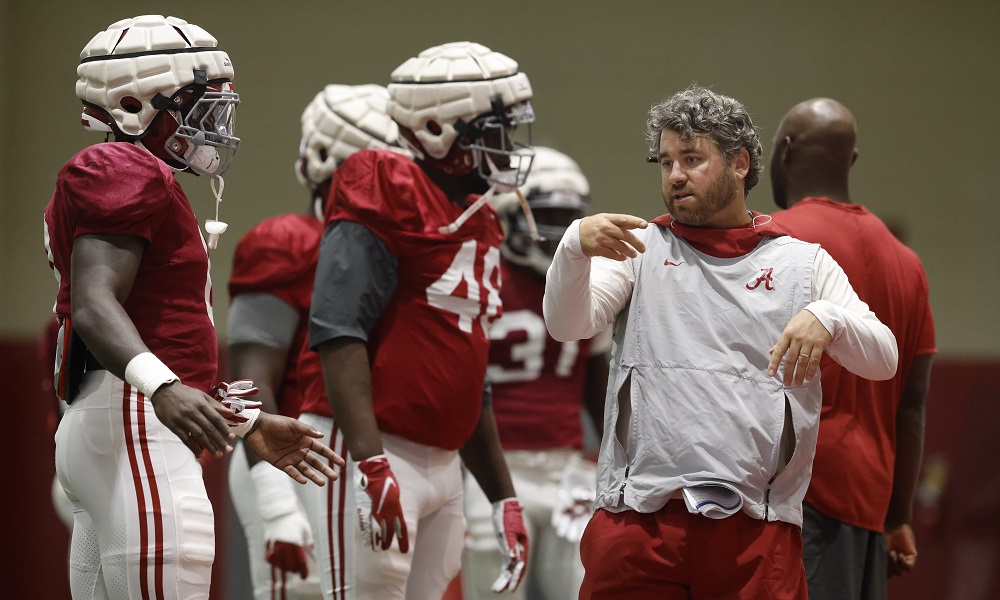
347, 375
910, 420
264, 365
483, 457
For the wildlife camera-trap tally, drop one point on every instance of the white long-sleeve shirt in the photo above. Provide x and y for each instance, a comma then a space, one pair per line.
583, 296
689, 400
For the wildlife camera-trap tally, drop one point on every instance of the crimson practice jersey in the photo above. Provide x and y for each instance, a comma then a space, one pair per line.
537, 382
428, 350
121, 189
278, 257
856, 448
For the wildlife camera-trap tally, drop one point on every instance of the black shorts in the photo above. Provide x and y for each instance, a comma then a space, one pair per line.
842, 562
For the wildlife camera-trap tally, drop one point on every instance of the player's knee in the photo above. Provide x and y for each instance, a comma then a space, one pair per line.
196, 531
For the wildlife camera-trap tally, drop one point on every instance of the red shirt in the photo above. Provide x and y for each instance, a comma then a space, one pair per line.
538, 383
278, 257
428, 350
121, 189
856, 451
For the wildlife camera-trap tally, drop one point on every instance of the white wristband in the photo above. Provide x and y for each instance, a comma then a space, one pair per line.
147, 373
242, 429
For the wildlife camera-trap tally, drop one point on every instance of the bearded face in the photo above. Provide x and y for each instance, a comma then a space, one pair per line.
700, 187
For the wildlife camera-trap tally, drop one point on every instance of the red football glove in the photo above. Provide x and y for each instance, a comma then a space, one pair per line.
234, 397
377, 500
508, 522
575, 500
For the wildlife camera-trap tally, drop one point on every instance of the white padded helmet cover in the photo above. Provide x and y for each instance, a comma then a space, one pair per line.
339, 121
104, 82
552, 172
450, 82
555, 181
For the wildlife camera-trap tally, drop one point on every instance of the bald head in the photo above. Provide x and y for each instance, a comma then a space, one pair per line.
814, 149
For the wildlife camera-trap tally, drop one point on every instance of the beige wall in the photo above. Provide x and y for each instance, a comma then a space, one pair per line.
922, 81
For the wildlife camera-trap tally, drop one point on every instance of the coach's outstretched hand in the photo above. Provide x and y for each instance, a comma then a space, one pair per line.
610, 236
293, 447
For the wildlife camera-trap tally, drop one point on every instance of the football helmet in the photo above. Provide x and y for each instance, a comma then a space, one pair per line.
458, 105
162, 83
557, 193
338, 122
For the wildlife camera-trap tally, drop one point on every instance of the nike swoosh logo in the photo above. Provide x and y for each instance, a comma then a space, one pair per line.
385, 491
667, 263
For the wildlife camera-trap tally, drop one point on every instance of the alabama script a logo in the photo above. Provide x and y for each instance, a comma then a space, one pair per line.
765, 278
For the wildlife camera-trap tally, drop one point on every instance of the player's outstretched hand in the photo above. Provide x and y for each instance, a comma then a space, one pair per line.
512, 535
194, 417
801, 345
610, 236
293, 447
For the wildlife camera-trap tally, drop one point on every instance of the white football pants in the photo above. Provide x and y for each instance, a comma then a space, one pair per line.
143, 525
430, 484
268, 582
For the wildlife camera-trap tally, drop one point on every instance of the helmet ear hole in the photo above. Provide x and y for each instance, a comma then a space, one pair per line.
433, 127
323, 154
131, 104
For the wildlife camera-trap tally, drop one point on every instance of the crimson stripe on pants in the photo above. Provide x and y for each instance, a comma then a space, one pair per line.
154, 495
337, 554
341, 518
139, 492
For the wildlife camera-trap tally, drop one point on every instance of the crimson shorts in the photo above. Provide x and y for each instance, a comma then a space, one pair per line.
674, 554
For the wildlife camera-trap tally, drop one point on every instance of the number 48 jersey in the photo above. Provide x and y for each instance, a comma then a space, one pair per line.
428, 350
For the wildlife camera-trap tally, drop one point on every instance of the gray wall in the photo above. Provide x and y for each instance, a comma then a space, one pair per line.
922, 81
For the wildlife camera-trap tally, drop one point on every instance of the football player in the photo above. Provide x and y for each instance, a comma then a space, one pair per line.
539, 387
137, 347
406, 286
271, 287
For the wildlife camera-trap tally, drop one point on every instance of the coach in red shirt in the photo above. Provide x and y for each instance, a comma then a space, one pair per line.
858, 506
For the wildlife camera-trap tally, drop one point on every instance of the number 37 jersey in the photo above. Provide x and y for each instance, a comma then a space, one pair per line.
429, 349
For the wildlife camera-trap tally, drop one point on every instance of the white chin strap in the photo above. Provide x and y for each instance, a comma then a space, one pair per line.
318, 208
214, 227
529, 217
462, 218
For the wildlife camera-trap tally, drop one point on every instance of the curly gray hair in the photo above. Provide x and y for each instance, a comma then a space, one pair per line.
724, 120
